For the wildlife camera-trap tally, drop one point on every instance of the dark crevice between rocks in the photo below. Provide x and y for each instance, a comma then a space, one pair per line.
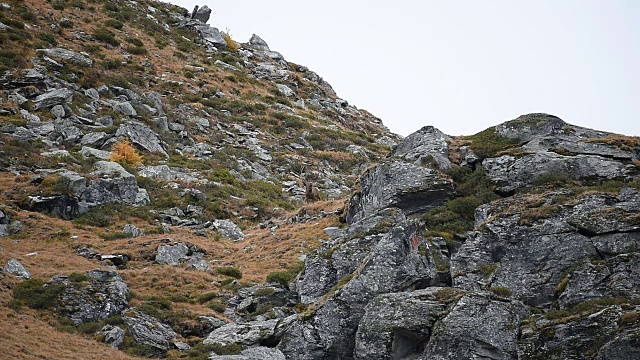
271, 342
408, 344
418, 203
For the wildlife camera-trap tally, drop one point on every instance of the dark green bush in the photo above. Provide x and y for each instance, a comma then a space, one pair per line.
501, 291
458, 215
218, 306
552, 178
231, 271
114, 24
35, 294
137, 50
109, 6
27, 14
67, 24
134, 41
59, 5
78, 277
285, 277
106, 36
49, 38
94, 217
206, 297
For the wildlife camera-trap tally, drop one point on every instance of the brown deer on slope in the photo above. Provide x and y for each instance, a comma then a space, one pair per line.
311, 192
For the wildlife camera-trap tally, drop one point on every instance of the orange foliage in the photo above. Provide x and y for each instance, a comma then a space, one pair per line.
124, 153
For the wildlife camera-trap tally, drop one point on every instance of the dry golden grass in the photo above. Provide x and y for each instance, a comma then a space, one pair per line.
623, 142
25, 336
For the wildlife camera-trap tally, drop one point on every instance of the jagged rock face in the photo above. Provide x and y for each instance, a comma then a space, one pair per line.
439, 323
114, 184
477, 326
113, 335
517, 172
554, 247
180, 253
424, 146
142, 136
594, 336
104, 296
63, 206
532, 259
395, 259
411, 188
247, 334
398, 325
67, 55
148, 330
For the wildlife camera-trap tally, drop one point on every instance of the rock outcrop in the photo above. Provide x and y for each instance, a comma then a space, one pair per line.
99, 295
547, 265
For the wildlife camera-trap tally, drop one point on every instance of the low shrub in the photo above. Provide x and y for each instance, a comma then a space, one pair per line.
218, 306
501, 291
285, 277
206, 297
78, 277
231, 44
107, 36
112, 23
134, 41
125, 154
458, 215
489, 143
137, 50
36, 294
231, 271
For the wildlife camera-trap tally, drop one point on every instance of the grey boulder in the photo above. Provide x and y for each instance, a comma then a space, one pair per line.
424, 147
14, 267
67, 55
113, 335
228, 229
148, 330
201, 14
142, 136
103, 296
257, 43
254, 353
52, 98
247, 334
132, 230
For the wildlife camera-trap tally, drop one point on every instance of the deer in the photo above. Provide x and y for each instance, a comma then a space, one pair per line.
311, 192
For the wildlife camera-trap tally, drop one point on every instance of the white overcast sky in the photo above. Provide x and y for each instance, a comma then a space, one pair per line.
460, 66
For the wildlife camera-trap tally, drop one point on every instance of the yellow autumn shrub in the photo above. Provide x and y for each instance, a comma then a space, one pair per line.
125, 154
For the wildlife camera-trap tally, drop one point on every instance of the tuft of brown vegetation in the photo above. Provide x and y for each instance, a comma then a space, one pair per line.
231, 44
124, 153
622, 142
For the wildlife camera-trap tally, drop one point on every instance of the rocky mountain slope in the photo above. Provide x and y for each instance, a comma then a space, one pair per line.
170, 192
